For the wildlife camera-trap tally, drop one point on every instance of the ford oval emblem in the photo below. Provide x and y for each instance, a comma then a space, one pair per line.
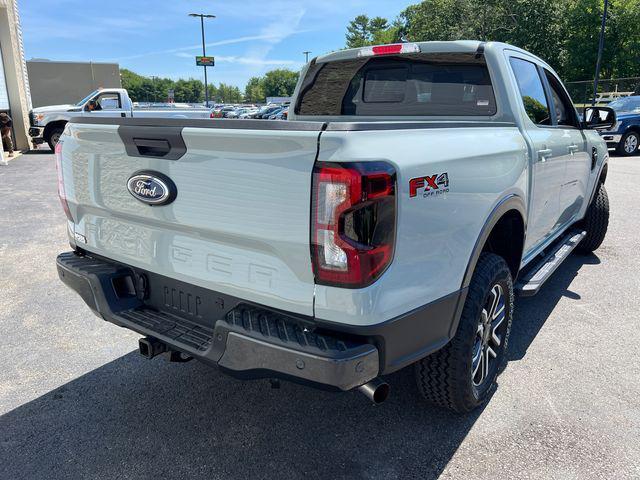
152, 188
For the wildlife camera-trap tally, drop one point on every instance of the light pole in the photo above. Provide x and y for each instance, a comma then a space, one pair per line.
155, 90
204, 52
600, 48
306, 56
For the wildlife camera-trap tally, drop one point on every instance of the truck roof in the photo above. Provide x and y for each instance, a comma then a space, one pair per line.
457, 46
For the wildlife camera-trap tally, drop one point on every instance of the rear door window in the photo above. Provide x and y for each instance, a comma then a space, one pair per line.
408, 85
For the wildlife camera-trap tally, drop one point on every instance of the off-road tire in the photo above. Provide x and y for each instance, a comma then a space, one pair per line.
596, 221
444, 378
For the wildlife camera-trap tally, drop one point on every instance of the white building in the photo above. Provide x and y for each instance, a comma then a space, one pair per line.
14, 84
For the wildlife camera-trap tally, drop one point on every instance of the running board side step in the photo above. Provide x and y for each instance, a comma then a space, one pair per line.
534, 277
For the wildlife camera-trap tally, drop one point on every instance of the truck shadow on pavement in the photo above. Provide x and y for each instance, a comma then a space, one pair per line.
134, 418
531, 313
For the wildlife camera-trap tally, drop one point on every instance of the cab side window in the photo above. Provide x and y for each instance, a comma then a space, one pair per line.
532, 91
565, 113
108, 101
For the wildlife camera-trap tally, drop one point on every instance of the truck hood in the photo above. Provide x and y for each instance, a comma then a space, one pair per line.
56, 108
627, 115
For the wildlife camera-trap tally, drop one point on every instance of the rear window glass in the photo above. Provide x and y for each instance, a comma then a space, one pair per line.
407, 85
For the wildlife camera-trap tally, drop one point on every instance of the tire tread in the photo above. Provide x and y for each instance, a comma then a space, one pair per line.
596, 221
443, 377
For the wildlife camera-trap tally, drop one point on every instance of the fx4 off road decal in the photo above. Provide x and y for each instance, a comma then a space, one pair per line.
430, 185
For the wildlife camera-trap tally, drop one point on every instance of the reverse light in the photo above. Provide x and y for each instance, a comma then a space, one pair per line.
61, 192
353, 222
392, 49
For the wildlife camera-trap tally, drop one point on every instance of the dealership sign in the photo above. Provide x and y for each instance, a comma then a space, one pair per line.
205, 61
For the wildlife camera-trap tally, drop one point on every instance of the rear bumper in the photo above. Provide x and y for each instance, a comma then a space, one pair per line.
245, 340
36, 134
251, 340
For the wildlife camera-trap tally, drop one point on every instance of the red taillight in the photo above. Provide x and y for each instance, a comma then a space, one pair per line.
61, 192
387, 49
393, 49
212, 115
353, 222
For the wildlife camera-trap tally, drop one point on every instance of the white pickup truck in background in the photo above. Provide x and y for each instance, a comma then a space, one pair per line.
47, 123
415, 189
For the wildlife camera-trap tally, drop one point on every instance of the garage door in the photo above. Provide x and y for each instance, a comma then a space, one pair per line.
4, 96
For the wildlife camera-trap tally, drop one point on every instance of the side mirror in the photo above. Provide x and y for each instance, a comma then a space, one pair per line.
600, 118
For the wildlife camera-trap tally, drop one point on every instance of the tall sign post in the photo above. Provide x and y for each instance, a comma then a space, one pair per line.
204, 53
600, 48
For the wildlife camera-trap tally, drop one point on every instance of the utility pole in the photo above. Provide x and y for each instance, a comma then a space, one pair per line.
306, 56
204, 51
600, 48
155, 89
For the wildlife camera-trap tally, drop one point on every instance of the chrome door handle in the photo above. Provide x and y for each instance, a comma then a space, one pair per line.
544, 153
572, 148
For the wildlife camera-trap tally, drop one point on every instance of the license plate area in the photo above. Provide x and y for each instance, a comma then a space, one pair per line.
193, 303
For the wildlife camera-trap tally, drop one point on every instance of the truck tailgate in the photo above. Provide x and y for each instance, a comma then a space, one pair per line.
239, 223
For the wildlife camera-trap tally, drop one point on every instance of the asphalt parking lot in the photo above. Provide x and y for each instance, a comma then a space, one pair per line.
77, 401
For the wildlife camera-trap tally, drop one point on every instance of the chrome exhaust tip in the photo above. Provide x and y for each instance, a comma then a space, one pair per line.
376, 390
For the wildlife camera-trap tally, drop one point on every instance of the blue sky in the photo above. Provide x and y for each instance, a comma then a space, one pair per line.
156, 37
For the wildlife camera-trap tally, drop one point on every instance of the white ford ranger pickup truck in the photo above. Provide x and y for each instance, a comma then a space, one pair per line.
415, 189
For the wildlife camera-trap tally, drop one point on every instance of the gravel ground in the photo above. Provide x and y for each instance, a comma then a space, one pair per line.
76, 400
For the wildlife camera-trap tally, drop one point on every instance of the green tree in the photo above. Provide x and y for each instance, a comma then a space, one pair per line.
358, 32
213, 93
189, 91
363, 31
254, 91
229, 94
562, 32
134, 84
439, 20
279, 83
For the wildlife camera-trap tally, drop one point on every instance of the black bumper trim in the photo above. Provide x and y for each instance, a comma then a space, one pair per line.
238, 342
407, 338
203, 334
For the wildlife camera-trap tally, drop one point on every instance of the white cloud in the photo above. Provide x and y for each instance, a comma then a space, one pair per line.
284, 25
268, 37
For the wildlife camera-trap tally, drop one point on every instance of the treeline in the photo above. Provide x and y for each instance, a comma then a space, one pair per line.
563, 32
276, 83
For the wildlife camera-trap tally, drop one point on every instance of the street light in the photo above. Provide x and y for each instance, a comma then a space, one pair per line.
600, 48
204, 51
306, 56
155, 91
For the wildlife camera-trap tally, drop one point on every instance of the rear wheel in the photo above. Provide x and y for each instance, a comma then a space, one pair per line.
629, 144
462, 375
596, 221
